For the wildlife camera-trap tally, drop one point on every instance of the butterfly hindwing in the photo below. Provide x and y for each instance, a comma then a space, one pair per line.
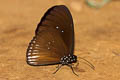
46, 48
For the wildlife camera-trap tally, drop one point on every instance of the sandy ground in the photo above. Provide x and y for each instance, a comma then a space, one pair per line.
97, 39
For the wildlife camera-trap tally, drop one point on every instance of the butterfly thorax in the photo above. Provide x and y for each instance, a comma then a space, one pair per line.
68, 59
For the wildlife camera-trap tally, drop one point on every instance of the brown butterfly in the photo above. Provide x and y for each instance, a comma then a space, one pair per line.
53, 42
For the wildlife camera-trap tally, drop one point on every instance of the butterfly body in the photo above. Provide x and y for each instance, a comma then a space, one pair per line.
65, 60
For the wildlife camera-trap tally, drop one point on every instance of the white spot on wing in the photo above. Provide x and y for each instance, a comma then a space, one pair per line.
62, 31
30, 57
49, 42
34, 41
48, 48
31, 44
34, 53
57, 27
37, 45
32, 62
35, 50
34, 38
29, 53
30, 48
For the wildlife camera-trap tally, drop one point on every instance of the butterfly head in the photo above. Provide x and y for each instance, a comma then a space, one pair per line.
68, 59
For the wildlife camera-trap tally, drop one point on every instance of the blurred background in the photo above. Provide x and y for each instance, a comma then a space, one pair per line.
97, 39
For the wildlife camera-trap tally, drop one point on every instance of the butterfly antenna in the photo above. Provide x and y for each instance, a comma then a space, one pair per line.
72, 69
89, 64
58, 67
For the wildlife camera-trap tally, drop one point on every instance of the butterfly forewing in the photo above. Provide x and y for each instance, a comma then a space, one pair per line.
54, 37
60, 18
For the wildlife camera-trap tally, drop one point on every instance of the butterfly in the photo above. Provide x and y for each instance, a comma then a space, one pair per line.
53, 42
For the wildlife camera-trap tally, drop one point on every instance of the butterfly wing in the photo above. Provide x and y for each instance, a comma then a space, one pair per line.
54, 37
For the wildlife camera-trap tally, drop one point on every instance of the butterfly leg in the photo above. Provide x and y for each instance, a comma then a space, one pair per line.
58, 68
72, 69
77, 64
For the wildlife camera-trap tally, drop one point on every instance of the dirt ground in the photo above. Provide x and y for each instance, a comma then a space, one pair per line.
97, 39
